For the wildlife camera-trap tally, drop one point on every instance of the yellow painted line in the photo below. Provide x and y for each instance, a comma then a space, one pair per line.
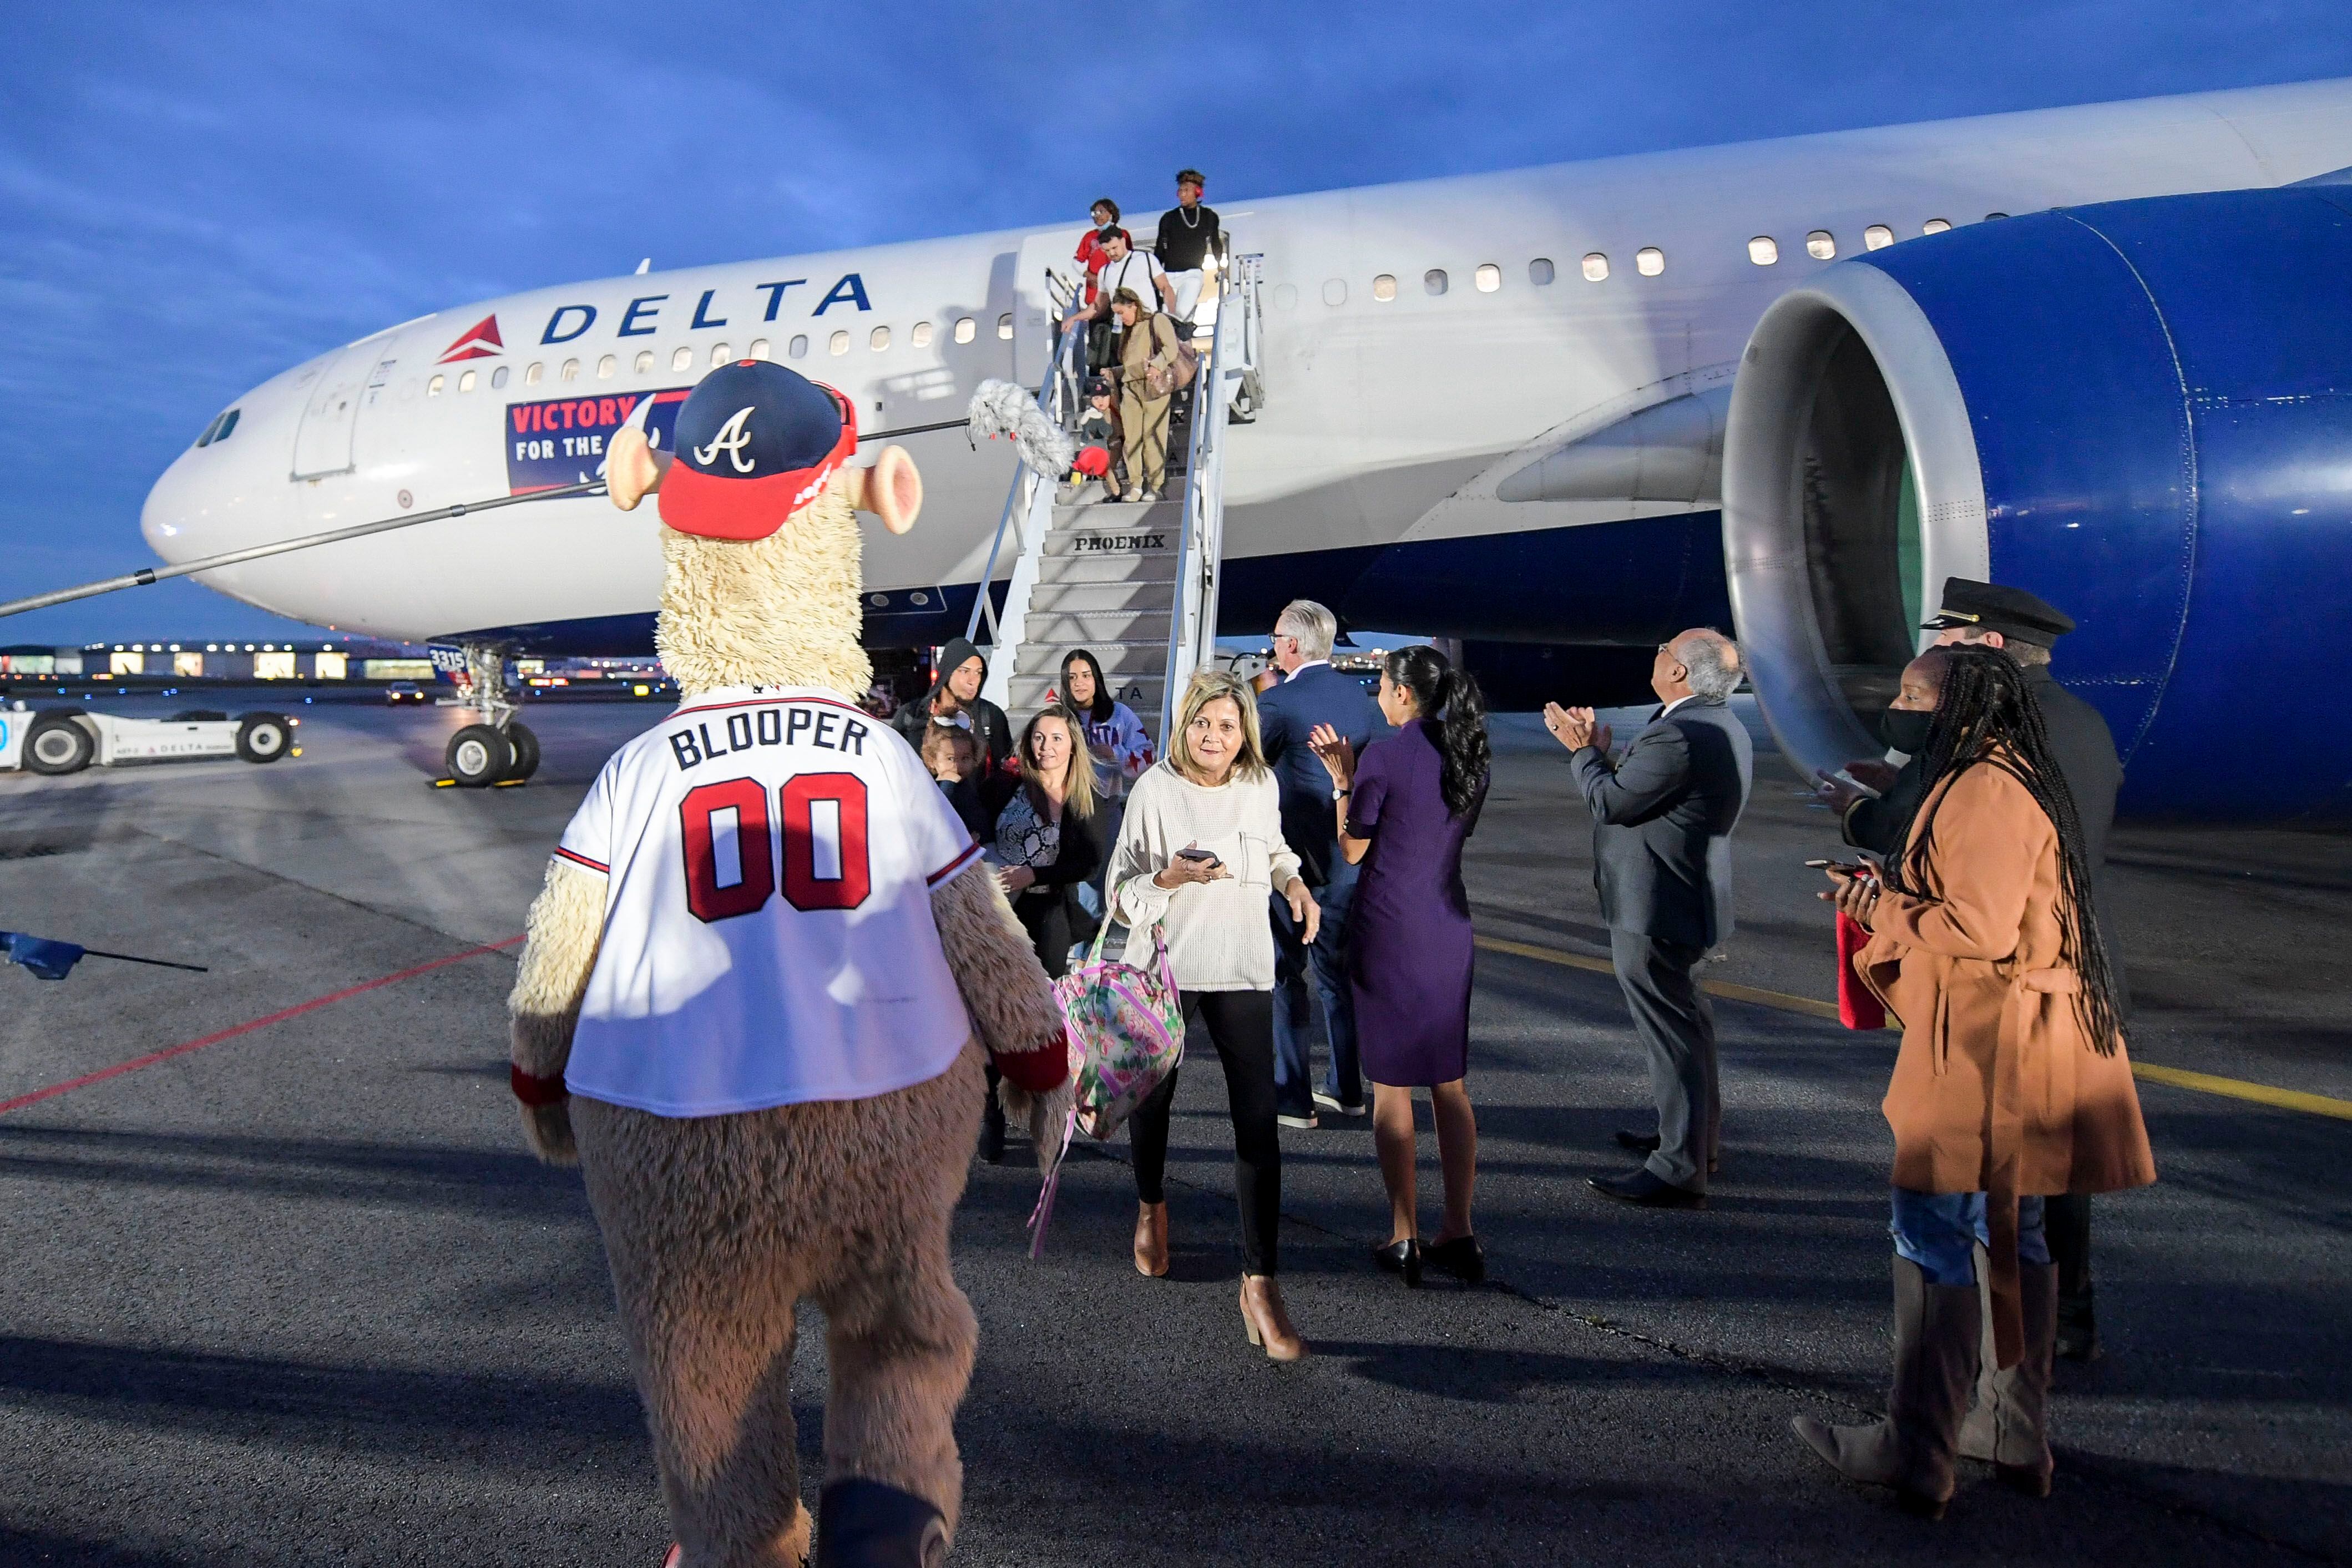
2177, 1078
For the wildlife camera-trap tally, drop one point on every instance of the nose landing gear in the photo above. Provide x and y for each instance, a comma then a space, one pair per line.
501, 751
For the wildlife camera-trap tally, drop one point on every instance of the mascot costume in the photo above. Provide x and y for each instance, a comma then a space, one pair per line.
756, 995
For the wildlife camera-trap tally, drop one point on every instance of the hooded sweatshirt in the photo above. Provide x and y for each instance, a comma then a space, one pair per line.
987, 719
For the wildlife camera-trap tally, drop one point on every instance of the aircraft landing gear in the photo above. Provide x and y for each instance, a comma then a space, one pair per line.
501, 751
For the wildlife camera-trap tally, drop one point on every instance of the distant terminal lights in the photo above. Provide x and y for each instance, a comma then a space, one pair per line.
365, 660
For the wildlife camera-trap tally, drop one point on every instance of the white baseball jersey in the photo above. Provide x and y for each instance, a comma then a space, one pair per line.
768, 936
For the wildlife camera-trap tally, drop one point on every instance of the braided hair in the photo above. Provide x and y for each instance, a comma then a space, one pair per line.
1438, 688
1986, 714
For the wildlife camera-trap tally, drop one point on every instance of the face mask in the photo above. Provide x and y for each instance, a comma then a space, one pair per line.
1905, 729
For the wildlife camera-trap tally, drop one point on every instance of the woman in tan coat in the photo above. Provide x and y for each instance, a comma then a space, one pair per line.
1146, 339
2011, 1082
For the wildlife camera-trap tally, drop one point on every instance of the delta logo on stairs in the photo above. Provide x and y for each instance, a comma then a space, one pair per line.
481, 342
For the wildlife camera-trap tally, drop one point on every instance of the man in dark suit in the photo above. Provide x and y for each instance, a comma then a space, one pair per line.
1311, 692
2023, 626
1662, 822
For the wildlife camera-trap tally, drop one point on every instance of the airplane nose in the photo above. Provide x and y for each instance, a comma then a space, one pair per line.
225, 490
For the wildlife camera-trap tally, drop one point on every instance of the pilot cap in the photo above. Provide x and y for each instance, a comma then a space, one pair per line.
756, 442
1991, 607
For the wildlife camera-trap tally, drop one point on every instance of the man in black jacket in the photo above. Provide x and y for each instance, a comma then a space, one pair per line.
1662, 822
1187, 236
2022, 625
961, 671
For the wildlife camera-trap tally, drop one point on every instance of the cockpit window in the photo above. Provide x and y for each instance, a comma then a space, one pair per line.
219, 430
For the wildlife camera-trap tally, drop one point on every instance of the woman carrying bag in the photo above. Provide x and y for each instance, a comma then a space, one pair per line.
1151, 367
1200, 854
2012, 1083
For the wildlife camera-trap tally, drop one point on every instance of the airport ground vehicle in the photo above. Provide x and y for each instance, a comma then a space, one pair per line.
67, 740
405, 692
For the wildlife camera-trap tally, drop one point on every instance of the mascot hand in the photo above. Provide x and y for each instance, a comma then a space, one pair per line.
1047, 1116
548, 1129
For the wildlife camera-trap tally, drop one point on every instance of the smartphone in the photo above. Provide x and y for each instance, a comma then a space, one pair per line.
1850, 868
1209, 856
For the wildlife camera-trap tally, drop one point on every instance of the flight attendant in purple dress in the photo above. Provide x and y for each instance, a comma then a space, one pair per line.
1404, 811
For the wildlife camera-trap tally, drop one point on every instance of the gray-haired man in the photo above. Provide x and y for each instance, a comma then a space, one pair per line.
1662, 822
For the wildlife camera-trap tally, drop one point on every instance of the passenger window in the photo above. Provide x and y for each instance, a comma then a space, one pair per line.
1335, 292
570, 372
644, 362
1596, 267
1488, 277
922, 336
966, 329
1540, 271
879, 339
1877, 236
1384, 287
498, 377
432, 387
799, 346
1649, 261
682, 360
531, 376
1936, 225
1821, 245
1434, 280
604, 369
466, 382
1004, 326
1763, 250
838, 343
759, 348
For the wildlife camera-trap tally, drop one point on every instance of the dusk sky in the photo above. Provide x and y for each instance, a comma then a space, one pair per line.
192, 198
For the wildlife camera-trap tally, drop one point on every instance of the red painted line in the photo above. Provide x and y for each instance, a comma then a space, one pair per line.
296, 1010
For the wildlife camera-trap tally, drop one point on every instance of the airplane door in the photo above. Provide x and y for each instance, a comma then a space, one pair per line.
323, 445
1042, 281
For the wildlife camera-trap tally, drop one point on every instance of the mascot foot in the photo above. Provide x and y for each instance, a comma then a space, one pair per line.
864, 1524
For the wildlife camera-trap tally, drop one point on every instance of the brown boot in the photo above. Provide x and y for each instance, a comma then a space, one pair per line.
1151, 1240
1937, 1328
2008, 1429
1266, 1322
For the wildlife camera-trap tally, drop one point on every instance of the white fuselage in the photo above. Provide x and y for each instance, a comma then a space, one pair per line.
1385, 420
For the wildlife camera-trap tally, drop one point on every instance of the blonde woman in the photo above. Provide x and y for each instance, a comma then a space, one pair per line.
1201, 852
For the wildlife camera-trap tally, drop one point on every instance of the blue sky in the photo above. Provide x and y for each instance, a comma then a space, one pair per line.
192, 198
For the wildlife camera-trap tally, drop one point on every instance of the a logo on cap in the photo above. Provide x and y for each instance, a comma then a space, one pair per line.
731, 438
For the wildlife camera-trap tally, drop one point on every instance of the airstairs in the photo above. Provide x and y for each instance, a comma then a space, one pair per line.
1134, 584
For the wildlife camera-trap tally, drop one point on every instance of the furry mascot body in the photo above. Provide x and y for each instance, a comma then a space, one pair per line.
718, 1224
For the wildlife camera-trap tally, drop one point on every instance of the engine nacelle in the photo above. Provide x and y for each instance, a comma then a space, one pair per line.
2141, 411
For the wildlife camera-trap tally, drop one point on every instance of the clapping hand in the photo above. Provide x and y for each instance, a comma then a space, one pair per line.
1577, 728
1336, 753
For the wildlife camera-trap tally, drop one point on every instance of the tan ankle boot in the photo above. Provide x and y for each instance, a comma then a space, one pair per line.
1268, 1321
1151, 1240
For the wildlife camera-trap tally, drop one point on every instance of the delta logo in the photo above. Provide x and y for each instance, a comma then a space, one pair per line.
481, 342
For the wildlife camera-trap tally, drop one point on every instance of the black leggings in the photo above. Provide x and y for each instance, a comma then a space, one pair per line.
1240, 1024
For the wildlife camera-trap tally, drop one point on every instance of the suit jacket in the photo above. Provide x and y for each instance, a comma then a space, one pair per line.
1286, 715
1662, 822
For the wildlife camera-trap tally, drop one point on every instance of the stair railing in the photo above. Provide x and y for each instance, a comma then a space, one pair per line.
1201, 541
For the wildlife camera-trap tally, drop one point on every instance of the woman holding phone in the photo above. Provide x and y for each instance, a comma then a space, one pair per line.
2012, 1083
1201, 852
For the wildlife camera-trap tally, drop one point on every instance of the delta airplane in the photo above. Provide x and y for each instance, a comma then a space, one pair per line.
2101, 351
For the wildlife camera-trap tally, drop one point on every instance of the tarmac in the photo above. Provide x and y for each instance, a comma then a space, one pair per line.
285, 1288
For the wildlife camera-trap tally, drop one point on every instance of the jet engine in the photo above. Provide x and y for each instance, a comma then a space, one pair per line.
2141, 411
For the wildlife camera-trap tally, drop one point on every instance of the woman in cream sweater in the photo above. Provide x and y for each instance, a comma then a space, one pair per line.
1201, 852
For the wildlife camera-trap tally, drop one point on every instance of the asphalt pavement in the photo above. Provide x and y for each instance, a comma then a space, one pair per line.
298, 1295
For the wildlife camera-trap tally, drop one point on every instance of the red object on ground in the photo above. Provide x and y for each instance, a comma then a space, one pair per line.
1858, 1006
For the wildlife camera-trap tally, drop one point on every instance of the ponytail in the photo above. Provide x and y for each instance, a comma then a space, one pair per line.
1449, 699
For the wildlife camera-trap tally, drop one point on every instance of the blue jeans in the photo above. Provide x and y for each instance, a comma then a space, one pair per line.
1939, 1232
1323, 967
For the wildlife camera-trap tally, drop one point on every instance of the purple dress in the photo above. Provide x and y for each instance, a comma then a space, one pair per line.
1409, 936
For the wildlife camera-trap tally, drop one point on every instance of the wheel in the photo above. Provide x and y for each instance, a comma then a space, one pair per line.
58, 745
263, 737
199, 716
477, 757
526, 750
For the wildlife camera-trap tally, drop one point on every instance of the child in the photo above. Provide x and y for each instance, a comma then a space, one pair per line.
952, 757
1100, 446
